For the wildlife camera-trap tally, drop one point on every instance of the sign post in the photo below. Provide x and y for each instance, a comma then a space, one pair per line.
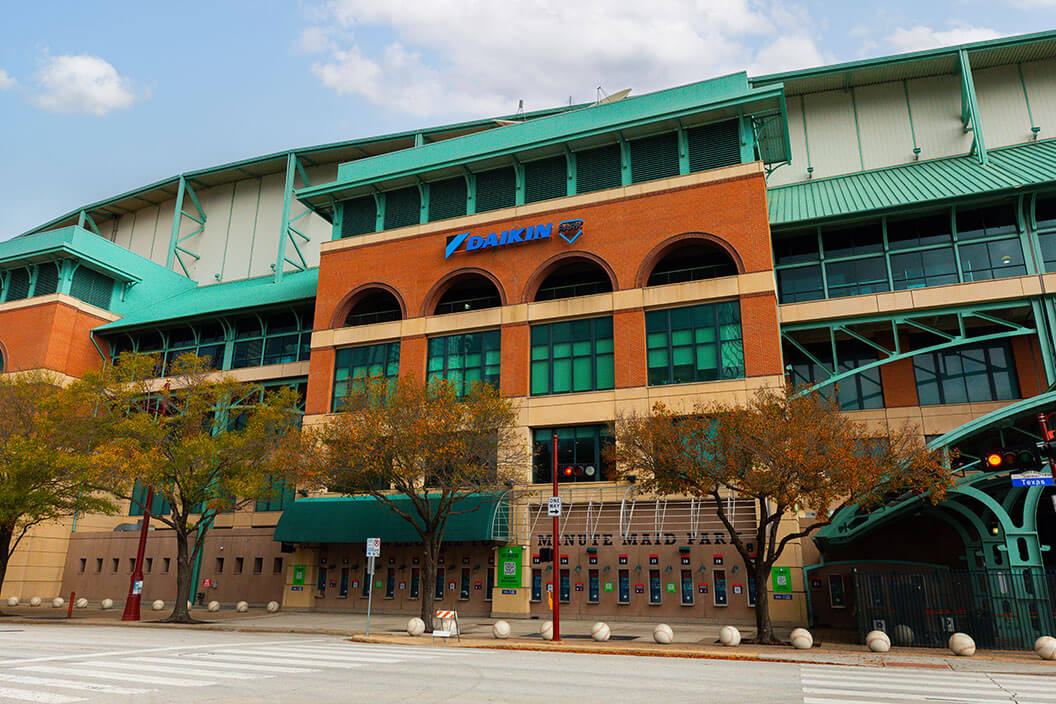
373, 550
553, 508
135, 587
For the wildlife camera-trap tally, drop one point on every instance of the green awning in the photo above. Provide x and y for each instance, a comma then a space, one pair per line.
353, 519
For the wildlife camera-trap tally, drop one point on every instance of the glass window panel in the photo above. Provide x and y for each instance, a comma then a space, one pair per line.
986, 222
861, 238
795, 247
1045, 211
570, 354
800, 284
920, 230
692, 352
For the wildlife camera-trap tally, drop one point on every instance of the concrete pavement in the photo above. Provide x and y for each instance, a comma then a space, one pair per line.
694, 640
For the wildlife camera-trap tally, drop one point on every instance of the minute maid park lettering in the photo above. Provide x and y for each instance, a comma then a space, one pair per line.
568, 230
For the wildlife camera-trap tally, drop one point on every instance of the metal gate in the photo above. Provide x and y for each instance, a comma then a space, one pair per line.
1002, 609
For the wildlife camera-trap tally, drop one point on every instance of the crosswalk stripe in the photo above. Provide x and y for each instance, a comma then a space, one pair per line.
67, 684
211, 660
875, 695
130, 676
174, 669
406, 650
31, 696
809, 698
380, 659
966, 686
264, 660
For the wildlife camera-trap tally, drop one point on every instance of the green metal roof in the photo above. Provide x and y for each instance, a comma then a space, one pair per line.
916, 64
229, 297
706, 101
161, 191
353, 519
922, 182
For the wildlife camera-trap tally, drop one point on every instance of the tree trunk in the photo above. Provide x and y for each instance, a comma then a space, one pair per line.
428, 582
764, 629
184, 555
7, 534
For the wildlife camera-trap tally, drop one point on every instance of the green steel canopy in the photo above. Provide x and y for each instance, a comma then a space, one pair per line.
1010, 168
353, 519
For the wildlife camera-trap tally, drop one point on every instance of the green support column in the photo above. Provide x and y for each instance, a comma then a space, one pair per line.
970, 108
570, 164
518, 175
379, 206
339, 217
683, 151
625, 162
471, 191
748, 141
423, 199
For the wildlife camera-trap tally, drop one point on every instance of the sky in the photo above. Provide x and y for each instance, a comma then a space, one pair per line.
97, 98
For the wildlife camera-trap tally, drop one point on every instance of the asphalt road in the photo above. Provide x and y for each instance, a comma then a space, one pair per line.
57, 664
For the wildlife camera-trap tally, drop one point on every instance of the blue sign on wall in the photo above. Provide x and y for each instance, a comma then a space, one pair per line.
568, 230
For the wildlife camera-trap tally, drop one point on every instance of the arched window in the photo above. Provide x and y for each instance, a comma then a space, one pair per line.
3, 361
376, 306
468, 292
692, 260
574, 277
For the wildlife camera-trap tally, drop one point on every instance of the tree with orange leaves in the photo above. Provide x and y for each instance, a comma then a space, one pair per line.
795, 455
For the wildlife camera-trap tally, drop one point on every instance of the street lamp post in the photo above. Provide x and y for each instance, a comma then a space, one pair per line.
555, 595
135, 586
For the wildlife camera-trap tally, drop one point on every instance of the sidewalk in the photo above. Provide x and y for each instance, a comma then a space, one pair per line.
691, 640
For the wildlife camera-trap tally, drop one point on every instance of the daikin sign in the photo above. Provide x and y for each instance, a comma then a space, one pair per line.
466, 242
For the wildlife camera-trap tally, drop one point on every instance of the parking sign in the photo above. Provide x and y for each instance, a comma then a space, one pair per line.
373, 547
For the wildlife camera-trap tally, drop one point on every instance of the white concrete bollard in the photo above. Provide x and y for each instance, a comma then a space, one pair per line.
241, 607
81, 603
547, 630
158, 605
58, 602
214, 606
962, 645
600, 631
663, 634
903, 634
35, 601
878, 642
272, 607
501, 630
415, 627
106, 604
1045, 647
729, 636
801, 639
12, 601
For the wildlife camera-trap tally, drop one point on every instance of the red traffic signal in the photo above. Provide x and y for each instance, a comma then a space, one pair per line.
579, 472
1021, 457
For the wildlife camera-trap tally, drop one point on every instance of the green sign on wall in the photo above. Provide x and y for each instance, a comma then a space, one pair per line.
781, 580
298, 575
509, 572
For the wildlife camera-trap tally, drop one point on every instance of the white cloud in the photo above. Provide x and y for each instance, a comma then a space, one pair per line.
7, 81
1031, 4
481, 57
82, 84
920, 37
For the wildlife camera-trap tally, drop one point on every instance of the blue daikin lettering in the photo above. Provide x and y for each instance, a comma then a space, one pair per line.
464, 242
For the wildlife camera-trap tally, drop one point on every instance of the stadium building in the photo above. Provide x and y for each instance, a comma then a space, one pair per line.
885, 226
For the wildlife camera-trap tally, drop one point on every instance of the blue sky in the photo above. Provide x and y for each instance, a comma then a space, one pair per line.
101, 97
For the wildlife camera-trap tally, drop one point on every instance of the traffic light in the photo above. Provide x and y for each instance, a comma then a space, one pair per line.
1019, 457
578, 472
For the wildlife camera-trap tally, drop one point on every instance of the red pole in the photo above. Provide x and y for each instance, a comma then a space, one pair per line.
135, 585
1046, 435
69, 609
557, 579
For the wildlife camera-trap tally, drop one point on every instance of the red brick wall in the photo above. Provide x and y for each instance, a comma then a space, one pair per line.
1030, 370
627, 235
51, 335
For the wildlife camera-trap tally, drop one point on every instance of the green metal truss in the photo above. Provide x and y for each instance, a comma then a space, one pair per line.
901, 324
176, 250
970, 119
289, 235
85, 220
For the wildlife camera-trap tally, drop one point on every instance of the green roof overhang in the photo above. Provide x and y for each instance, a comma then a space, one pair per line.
353, 519
219, 299
84, 246
914, 185
918, 64
696, 103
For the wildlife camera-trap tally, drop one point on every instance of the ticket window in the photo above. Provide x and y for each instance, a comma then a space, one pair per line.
624, 582
537, 585
719, 577
346, 575
489, 584
464, 587
390, 583
320, 582
439, 594
655, 591
566, 587
837, 595
416, 583
593, 587
751, 591
366, 583
687, 587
